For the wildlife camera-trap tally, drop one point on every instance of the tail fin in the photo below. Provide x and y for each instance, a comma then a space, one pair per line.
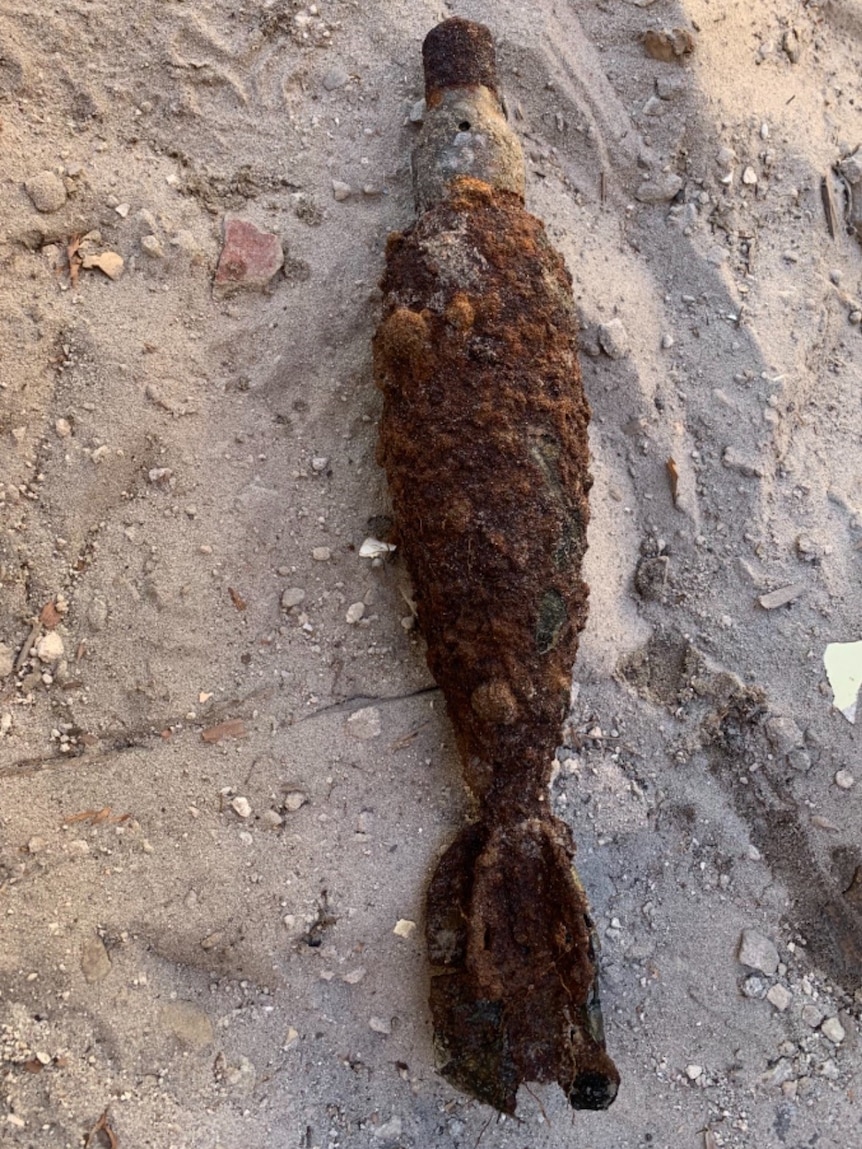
514, 993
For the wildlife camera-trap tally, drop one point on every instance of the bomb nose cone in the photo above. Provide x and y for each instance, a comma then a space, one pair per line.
458, 54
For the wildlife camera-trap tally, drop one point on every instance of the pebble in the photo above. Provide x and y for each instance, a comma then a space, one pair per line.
271, 820
754, 986
749, 176
321, 554
660, 189
50, 647
95, 963
613, 338
843, 779
355, 612
188, 1023
389, 1131
335, 78
364, 724
779, 997
692, 1072
758, 952
667, 341
379, 1025
292, 597
63, 428
404, 928
7, 659
151, 245
417, 112
341, 191
790, 45
46, 191
833, 1029
811, 1015
242, 807
294, 800
735, 461
319, 463
355, 976
782, 596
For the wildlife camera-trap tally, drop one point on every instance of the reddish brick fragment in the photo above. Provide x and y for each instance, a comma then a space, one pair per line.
249, 258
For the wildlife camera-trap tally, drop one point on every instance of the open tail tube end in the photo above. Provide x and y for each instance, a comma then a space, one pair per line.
459, 54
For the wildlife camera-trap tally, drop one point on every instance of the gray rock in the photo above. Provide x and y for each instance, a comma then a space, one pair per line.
613, 339
46, 191
335, 78
758, 952
7, 659
833, 1029
292, 597
659, 189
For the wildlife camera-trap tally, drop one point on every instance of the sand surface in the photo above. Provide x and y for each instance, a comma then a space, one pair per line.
199, 933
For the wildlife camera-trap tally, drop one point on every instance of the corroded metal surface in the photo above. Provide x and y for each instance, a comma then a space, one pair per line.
484, 441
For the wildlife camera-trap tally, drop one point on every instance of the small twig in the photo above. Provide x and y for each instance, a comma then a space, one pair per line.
828, 206
102, 1126
24, 652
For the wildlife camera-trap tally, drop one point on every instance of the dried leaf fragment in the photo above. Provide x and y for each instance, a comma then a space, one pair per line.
94, 817
673, 476
237, 599
49, 616
233, 728
102, 1126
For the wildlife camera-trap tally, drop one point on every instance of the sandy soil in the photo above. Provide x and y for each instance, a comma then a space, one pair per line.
220, 972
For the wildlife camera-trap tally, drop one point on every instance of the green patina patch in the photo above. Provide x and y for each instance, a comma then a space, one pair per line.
553, 617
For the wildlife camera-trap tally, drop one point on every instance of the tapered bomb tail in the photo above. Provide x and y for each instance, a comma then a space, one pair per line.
514, 991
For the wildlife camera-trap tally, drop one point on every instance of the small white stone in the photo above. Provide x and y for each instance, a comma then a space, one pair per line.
779, 997
123, 209
666, 341
845, 780
319, 463
833, 1029
749, 176
365, 723
50, 647
321, 554
355, 612
692, 1072
272, 819
294, 800
404, 928
379, 1025
63, 428
292, 597
242, 807
341, 191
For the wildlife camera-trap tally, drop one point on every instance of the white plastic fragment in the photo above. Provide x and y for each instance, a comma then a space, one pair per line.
843, 662
375, 549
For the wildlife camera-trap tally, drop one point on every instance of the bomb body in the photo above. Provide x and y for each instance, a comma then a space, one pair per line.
483, 438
